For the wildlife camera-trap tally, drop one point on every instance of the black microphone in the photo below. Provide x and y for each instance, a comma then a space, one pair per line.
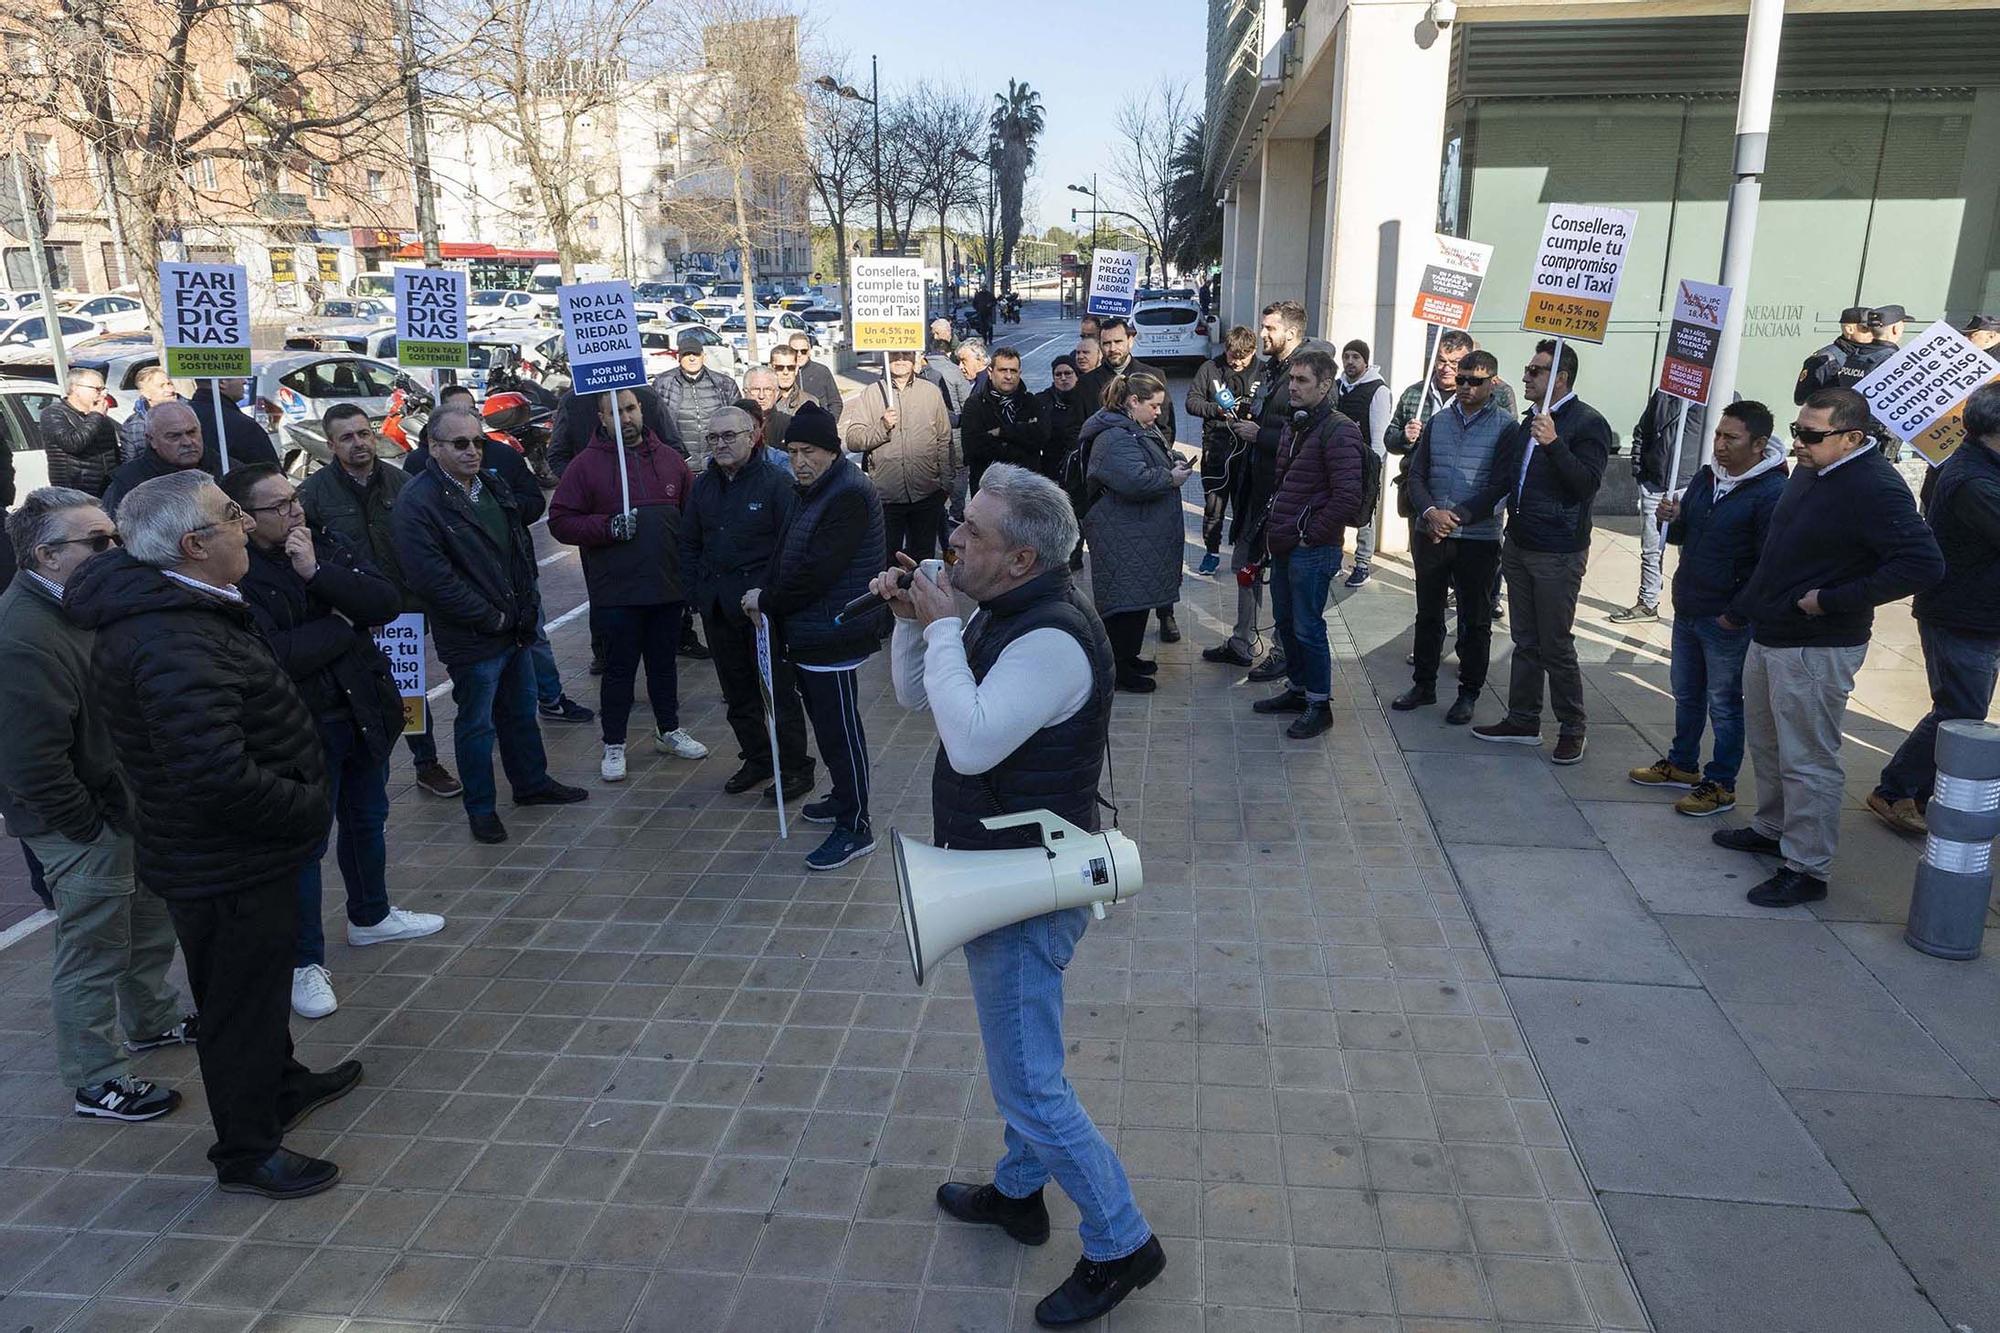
868, 601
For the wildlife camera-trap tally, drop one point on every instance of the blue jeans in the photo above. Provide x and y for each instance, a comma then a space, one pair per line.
1708, 683
548, 680
1300, 581
1017, 989
496, 699
358, 791
1962, 670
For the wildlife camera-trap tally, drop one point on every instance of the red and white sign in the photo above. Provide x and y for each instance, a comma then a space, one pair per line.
1449, 288
1689, 367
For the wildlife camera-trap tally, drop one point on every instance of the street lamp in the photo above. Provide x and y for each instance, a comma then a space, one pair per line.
874, 101
1092, 192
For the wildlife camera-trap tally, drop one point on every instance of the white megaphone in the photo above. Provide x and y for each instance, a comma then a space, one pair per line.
948, 897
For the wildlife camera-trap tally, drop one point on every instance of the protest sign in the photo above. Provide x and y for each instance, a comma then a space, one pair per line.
765, 688
888, 305
1692, 340
1114, 283
205, 317
402, 642
1576, 271
1449, 288
1919, 393
430, 319
601, 330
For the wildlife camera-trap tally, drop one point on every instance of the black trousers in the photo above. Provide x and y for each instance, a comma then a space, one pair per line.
833, 704
914, 528
633, 634
732, 643
1467, 568
238, 948
1127, 631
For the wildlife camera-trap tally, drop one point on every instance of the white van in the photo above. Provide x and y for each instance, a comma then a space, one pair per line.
547, 277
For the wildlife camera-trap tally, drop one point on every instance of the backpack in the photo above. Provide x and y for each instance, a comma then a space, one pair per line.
1371, 485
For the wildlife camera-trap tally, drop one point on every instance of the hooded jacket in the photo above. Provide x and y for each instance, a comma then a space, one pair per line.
217, 748
646, 570
1319, 482
1653, 462
912, 462
1721, 537
1368, 403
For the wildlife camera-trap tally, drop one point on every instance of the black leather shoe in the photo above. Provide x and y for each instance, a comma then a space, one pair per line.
1291, 701
1026, 1220
1227, 655
283, 1175
1092, 1289
1746, 840
553, 793
316, 1090
1134, 683
1271, 668
798, 786
1145, 666
1462, 709
1788, 888
1317, 718
487, 828
1170, 629
746, 777
1414, 697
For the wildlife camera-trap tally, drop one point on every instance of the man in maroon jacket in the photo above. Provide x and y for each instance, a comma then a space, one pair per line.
1318, 497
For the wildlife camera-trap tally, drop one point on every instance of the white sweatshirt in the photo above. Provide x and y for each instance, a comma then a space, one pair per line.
1039, 679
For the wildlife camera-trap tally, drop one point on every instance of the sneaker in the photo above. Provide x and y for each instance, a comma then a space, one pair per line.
1318, 717
1026, 1220
797, 787
1788, 888
1707, 798
398, 925
1662, 773
679, 744
1358, 576
551, 793
1746, 840
612, 767
1227, 654
1209, 564
487, 828
566, 709
1271, 668
436, 779
819, 812
183, 1033
312, 992
1504, 732
1900, 815
1093, 1289
839, 848
1569, 750
1290, 700
1636, 611
128, 1098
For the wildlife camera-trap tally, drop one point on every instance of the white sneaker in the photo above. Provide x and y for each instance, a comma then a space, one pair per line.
613, 767
679, 744
312, 992
398, 925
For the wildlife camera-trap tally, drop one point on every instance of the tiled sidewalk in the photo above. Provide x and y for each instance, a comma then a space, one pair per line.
654, 1076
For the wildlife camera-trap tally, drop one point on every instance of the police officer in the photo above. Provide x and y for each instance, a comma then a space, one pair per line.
1826, 368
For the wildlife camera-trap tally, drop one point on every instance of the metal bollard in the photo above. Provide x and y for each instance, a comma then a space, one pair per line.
1955, 877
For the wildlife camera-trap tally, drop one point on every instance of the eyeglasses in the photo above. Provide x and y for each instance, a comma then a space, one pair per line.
784, 368
724, 436
1533, 370
1473, 381
1807, 435
457, 441
288, 503
231, 513
99, 543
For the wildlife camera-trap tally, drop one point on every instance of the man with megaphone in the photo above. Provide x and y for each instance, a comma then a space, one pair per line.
1022, 698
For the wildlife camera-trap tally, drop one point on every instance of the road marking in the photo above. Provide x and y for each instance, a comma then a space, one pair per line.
563, 554
25, 927
439, 691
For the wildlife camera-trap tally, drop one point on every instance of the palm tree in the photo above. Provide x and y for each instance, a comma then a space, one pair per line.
1197, 239
1016, 123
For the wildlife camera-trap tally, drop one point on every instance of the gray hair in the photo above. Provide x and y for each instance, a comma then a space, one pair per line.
1034, 513
976, 346
444, 414
755, 371
156, 514
37, 520
77, 375
156, 418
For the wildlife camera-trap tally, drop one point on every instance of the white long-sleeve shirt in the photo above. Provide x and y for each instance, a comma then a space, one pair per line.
1039, 679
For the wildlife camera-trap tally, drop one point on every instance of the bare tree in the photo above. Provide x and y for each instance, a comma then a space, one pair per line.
903, 166
1151, 126
840, 155
943, 125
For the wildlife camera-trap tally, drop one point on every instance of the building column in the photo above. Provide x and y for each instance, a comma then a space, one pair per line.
1381, 199
1239, 255
1282, 233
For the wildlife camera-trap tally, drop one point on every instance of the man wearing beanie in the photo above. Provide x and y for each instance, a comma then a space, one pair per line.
829, 548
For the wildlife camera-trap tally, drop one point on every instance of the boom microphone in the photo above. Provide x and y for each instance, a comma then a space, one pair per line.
868, 601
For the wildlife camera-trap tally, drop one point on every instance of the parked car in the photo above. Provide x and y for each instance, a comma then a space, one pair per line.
828, 325
666, 312
661, 344
21, 404
32, 331
293, 389
113, 312
493, 306
715, 309
1170, 331
684, 293
341, 310
770, 324
798, 301
536, 348
117, 357
375, 338
13, 303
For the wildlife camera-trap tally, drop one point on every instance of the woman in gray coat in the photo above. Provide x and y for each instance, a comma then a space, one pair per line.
1132, 519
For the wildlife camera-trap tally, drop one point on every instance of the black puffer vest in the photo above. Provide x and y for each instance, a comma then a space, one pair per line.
1057, 768
1968, 599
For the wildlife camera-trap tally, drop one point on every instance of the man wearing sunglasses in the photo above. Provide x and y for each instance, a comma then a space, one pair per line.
1844, 539
62, 797
173, 444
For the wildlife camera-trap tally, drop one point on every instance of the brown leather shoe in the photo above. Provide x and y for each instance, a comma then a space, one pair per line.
1505, 732
1569, 750
1902, 815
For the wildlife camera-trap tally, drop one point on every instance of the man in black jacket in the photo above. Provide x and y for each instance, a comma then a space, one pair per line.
1002, 421
728, 536
1657, 470
1829, 367
831, 545
1958, 620
229, 801
248, 442
1550, 471
173, 444
317, 601
464, 551
1844, 539
81, 441
1220, 398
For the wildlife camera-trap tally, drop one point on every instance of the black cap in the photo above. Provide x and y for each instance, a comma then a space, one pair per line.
1882, 316
1982, 324
689, 342
814, 425
1854, 314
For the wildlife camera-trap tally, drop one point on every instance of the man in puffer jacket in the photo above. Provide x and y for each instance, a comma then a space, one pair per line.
1318, 498
692, 393
229, 800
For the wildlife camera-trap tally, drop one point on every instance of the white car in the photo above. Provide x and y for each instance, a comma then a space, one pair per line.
661, 346
534, 346
666, 312
21, 404
772, 325
114, 313
829, 326
486, 309
715, 309
32, 331
119, 357
1170, 331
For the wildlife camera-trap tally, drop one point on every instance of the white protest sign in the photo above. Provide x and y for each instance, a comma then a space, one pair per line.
1919, 392
1114, 283
1576, 272
601, 330
888, 305
1449, 288
402, 642
205, 315
430, 319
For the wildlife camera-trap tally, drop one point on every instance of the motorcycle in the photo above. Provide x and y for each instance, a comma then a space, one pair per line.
521, 413
1010, 309
410, 406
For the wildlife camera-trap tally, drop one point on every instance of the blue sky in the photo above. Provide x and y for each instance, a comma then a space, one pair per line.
1069, 52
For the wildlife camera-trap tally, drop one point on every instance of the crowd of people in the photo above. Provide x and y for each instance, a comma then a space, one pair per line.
200, 707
